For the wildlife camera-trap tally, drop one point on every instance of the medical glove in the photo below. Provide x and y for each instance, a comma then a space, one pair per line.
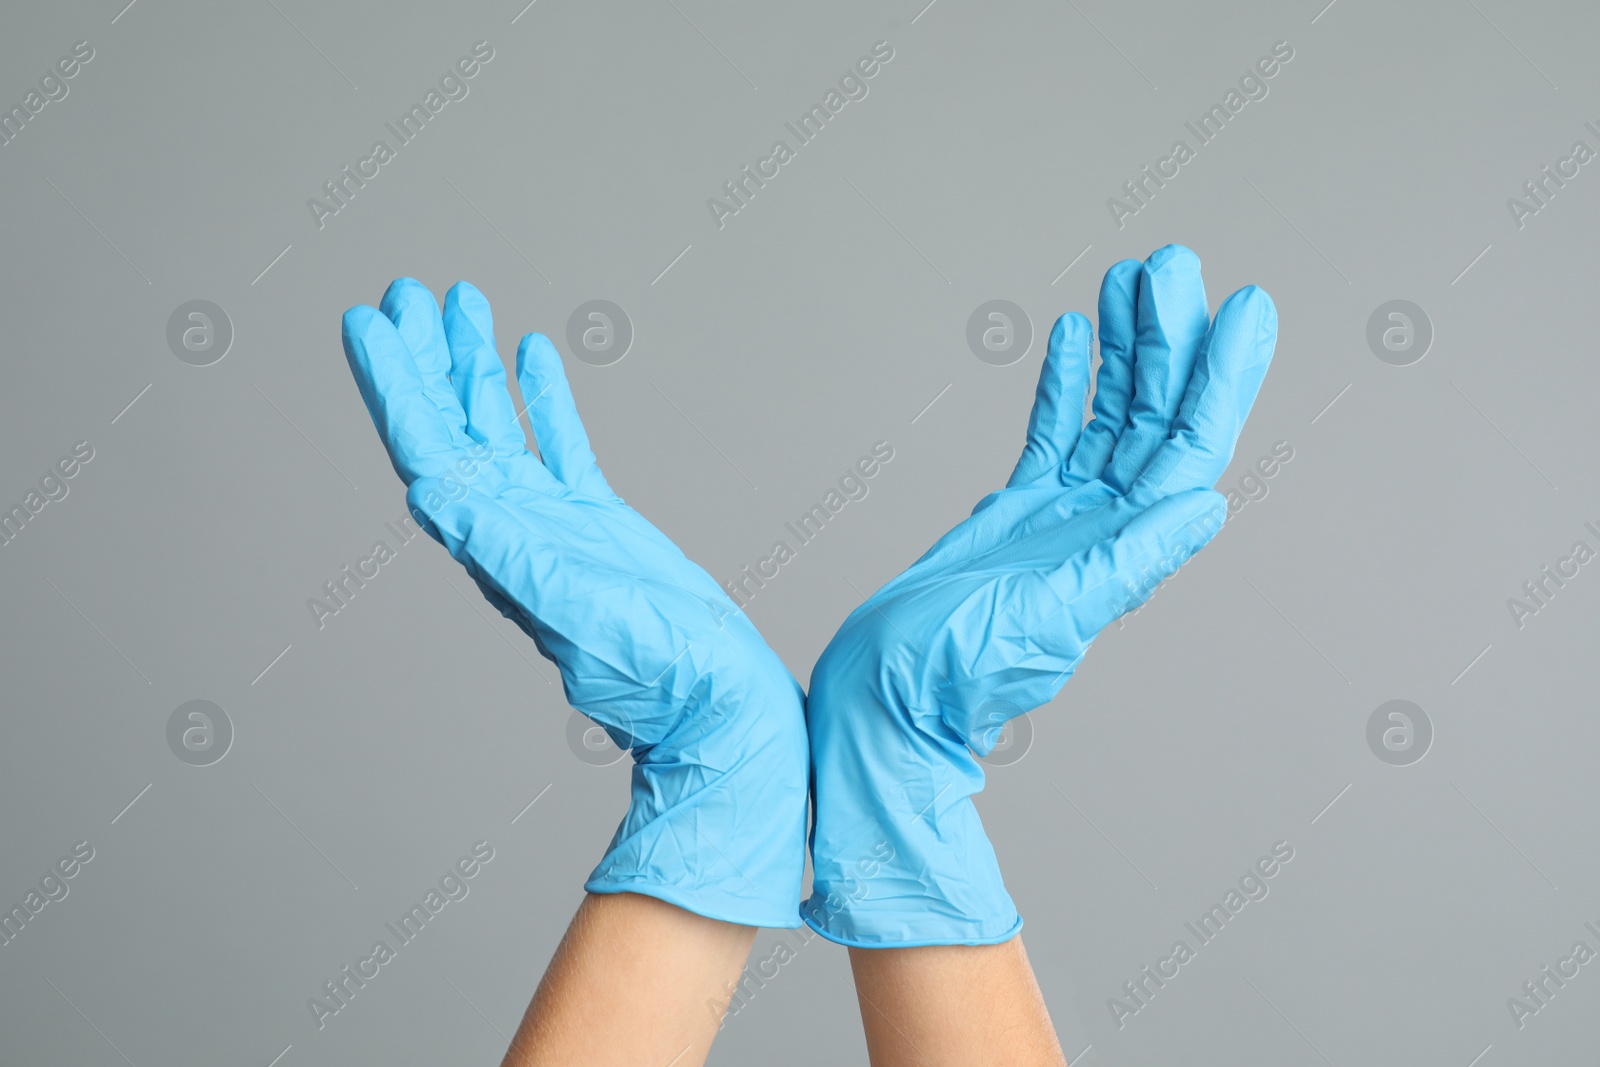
648, 645
993, 620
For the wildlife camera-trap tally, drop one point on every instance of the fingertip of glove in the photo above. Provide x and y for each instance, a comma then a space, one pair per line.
464, 296
1269, 310
1252, 304
1256, 298
1171, 257
1119, 292
1071, 328
1124, 271
402, 291
467, 309
534, 349
357, 321
1074, 322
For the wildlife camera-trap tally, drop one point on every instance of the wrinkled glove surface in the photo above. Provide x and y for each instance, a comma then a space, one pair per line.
648, 645
993, 620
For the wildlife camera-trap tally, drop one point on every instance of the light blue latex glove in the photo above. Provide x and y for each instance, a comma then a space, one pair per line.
993, 620
649, 646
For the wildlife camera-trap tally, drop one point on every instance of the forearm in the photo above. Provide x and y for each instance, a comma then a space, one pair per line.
634, 981
956, 1005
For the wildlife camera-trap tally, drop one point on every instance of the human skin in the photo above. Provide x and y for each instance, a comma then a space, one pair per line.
639, 981
950, 1005
635, 981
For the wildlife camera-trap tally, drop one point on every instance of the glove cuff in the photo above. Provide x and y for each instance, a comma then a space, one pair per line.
718, 818
899, 855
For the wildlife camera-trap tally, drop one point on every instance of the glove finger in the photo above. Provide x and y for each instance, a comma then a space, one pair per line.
1057, 417
1121, 572
1233, 361
1113, 384
476, 373
419, 440
1172, 321
563, 444
415, 314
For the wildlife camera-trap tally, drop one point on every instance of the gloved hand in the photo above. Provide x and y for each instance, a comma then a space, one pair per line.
993, 620
648, 645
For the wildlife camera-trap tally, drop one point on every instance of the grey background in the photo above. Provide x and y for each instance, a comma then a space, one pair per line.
1224, 717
